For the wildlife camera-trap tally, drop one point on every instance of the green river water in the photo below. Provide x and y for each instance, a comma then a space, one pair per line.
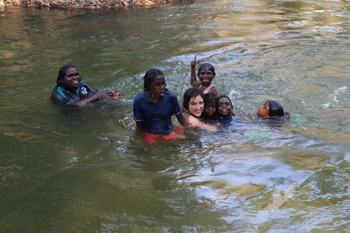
82, 169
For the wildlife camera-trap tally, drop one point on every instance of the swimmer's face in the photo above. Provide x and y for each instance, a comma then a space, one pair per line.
210, 109
157, 88
224, 107
263, 110
206, 76
72, 78
196, 106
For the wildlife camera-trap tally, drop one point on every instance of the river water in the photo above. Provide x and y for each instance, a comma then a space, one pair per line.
82, 169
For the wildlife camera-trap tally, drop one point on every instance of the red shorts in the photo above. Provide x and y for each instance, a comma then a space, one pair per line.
151, 138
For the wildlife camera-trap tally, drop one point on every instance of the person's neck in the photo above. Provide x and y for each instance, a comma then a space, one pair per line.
229, 115
152, 97
72, 90
205, 86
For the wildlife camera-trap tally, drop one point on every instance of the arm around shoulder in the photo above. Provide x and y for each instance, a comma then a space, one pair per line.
195, 123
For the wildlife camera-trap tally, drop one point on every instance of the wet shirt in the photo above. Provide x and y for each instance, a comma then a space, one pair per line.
156, 117
65, 97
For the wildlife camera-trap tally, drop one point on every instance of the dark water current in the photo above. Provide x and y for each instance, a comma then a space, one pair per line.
82, 170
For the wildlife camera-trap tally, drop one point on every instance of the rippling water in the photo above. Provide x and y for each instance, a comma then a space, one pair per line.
82, 170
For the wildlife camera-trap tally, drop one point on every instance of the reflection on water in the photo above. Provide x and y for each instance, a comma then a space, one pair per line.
83, 170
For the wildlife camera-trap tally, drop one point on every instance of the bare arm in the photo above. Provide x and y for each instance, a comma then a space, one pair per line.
182, 120
194, 122
139, 127
194, 63
98, 96
215, 91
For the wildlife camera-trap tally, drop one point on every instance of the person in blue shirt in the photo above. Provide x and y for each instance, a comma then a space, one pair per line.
154, 107
71, 91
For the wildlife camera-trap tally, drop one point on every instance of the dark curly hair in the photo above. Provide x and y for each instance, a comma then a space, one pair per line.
189, 94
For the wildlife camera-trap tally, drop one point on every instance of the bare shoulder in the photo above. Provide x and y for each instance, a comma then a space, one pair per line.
215, 90
193, 121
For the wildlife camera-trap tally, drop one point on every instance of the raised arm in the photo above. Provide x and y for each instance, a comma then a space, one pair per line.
194, 63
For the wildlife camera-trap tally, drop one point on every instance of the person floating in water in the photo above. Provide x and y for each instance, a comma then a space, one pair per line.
206, 74
272, 110
154, 107
71, 91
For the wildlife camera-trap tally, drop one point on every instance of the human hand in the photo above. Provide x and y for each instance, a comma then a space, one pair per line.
115, 95
103, 94
194, 62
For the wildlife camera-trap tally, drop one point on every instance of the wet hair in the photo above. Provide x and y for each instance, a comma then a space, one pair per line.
206, 66
209, 98
150, 76
223, 96
217, 104
189, 94
61, 73
275, 109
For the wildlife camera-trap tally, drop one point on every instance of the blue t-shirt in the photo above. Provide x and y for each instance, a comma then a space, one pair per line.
156, 117
65, 97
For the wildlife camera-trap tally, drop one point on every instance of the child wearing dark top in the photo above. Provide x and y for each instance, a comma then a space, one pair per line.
225, 110
154, 107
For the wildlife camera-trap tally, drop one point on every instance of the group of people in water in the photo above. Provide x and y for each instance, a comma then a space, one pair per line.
203, 105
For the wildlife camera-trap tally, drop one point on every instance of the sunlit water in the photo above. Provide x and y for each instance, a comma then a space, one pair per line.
82, 169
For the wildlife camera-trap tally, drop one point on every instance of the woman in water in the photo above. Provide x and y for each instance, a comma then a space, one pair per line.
206, 74
154, 107
70, 91
193, 103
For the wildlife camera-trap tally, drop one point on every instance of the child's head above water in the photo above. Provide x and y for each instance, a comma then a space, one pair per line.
271, 109
150, 76
206, 73
154, 84
224, 106
209, 105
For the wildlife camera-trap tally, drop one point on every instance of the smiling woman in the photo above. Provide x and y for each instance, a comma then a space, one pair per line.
193, 103
70, 91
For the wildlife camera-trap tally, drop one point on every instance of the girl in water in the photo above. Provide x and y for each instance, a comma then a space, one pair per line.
224, 109
209, 114
206, 74
193, 103
272, 110
154, 107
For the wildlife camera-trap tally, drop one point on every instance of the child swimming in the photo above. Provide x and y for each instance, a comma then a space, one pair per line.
272, 109
206, 74
209, 114
154, 107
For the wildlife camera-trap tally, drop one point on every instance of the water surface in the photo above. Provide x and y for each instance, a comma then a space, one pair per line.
82, 169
